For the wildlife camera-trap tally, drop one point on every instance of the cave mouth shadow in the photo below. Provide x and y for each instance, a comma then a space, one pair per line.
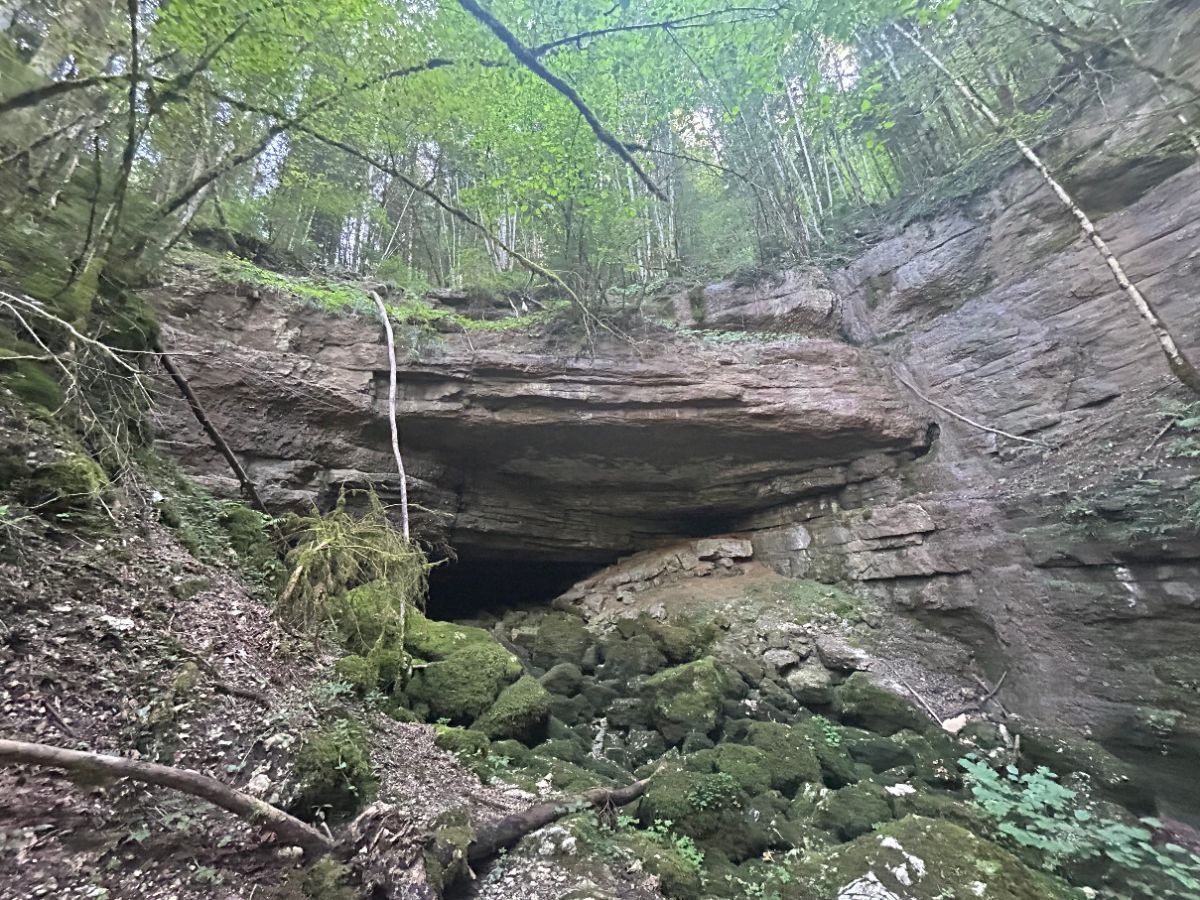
474, 588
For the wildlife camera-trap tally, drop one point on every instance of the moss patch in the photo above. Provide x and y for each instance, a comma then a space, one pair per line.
520, 712
73, 483
464, 684
333, 772
920, 859
687, 698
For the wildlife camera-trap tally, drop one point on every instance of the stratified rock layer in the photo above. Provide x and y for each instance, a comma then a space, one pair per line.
514, 448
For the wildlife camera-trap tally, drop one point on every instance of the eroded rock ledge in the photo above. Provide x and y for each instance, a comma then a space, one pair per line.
515, 446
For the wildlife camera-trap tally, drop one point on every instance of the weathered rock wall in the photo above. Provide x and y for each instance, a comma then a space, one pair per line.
516, 448
1069, 567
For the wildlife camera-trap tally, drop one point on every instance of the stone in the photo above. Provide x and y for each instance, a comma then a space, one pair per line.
521, 712
837, 654
687, 698
919, 859
626, 659
781, 659
561, 637
854, 810
859, 701
811, 684
463, 684
564, 679
791, 761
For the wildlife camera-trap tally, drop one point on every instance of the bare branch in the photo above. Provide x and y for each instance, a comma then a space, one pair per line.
527, 58
289, 829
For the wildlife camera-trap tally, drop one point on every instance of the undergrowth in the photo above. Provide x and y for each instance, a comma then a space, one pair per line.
347, 298
1064, 832
337, 551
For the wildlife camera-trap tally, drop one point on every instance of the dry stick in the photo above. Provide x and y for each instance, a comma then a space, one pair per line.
1161, 433
248, 489
971, 422
530, 61
1181, 367
391, 345
289, 829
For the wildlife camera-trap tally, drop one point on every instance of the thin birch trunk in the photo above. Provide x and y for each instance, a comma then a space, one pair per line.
391, 345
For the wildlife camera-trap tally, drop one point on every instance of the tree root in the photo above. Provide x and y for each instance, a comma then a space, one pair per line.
391, 856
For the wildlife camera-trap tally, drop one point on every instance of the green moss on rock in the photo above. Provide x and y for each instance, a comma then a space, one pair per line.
461, 686
520, 712
360, 673
30, 381
561, 637
749, 767
919, 859
73, 483
853, 810
687, 698
791, 759
678, 878
860, 702
332, 771
465, 743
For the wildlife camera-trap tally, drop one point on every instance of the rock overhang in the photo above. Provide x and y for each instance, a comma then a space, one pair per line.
515, 446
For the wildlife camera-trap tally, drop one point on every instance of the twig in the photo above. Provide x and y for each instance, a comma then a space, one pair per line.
1161, 434
58, 719
972, 422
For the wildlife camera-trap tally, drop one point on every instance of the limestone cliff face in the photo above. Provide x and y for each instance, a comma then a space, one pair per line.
1067, 568
516, 448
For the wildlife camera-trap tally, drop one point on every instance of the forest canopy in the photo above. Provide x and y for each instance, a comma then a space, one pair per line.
452, 143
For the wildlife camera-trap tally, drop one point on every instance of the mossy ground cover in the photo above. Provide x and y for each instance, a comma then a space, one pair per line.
342, 297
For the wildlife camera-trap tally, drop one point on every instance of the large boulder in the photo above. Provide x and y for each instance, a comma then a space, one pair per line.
859, 701
521, 712
791, 760
687, 698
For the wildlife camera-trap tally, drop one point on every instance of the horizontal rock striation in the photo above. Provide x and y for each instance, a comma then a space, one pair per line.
516, 448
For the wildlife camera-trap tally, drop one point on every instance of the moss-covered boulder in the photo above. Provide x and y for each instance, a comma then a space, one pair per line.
73, 483
332, 772
853, 810
858, 701
687, 698
697, 804
1065, 753
749, 767
360, 673
564, 679
828, 743
464, 684
679, 642
918, 859
432, 640
792, 761
678, 878
625, 659
561, 637
462, 742
521, 712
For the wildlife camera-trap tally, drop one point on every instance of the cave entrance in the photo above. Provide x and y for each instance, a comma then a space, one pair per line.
469, 588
